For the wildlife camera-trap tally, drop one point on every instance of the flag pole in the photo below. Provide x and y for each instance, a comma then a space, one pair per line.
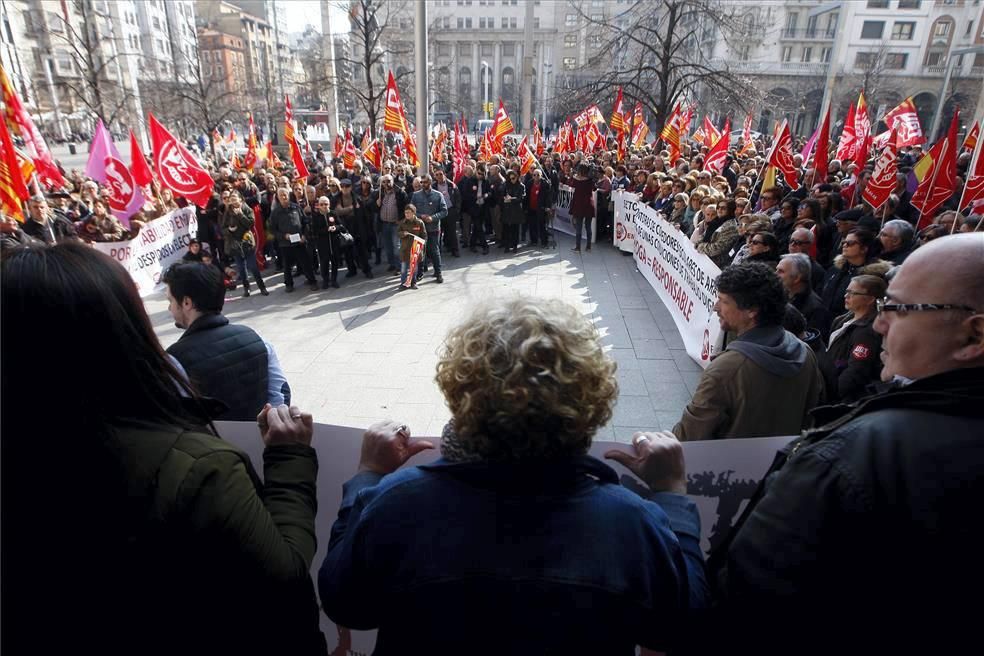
970, 173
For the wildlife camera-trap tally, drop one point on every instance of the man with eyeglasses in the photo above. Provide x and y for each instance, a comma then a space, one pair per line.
898, 240
801, 241
867, 520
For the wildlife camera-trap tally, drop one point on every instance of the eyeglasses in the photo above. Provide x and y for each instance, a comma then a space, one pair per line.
885, 305
851, 292
799, 242
849, 242
758, 242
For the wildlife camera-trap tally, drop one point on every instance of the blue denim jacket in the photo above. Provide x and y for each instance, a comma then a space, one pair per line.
512, 558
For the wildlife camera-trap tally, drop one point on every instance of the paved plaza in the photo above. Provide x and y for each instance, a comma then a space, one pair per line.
365, 352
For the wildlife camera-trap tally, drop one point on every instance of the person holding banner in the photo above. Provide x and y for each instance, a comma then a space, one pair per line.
411, 231
516, 541
159, 534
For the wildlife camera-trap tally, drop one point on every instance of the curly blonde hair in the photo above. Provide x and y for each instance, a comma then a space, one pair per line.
526, 379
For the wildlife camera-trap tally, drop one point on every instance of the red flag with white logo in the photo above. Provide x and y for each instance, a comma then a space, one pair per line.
719, 152
882, 181
177, 168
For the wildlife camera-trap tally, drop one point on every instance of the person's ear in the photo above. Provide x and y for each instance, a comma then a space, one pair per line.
971, 348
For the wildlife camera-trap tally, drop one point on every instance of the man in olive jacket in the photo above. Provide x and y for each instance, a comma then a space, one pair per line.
766, 381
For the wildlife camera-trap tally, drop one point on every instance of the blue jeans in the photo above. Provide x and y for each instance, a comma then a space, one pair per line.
390, 246
245, 261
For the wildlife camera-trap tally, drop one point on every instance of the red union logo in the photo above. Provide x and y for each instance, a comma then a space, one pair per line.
174, 170
120, 183
716, 162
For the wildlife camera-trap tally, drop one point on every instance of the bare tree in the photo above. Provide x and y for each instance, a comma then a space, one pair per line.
361, 73
95, 54
659, 52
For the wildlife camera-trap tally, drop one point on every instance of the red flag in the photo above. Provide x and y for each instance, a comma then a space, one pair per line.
12, 188
288, 109
349, 153
502, 125
249, 162
716, 156
295, 150
822, 152
21, 124
711, 133
338, 147
272, 159
686, 119
974, 189
906, 121
971, 141
570, 143
526, 157
781, 156
882, 181
176, 168
862, 124
746, 130
671, 129
861, 155
138, 163
940, 182
617, 122
845, 147
393, 116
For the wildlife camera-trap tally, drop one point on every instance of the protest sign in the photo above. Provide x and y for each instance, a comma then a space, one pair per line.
723, 475
683, 278
562, 219
158, 245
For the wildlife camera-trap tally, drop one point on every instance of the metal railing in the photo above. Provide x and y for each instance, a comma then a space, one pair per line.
814, 34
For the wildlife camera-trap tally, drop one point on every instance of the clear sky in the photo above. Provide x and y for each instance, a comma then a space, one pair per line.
308, 12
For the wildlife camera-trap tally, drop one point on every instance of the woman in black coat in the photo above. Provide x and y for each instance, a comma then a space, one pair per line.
513, 193
854, 346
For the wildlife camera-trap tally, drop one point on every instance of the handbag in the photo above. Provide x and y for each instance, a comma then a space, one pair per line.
345, 240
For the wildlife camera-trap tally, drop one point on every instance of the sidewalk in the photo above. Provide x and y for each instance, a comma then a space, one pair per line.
364, 352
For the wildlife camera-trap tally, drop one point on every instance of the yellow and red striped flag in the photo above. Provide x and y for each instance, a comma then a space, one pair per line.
617, 123
502, 125
13, 191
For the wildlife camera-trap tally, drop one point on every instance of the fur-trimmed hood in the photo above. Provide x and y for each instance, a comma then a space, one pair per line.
875, 267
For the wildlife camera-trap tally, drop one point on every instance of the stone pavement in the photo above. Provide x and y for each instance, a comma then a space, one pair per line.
365, 352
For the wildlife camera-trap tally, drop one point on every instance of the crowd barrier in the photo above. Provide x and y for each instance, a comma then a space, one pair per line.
723, 475
683, 278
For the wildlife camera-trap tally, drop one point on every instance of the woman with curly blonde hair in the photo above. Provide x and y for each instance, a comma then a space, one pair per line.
515, 529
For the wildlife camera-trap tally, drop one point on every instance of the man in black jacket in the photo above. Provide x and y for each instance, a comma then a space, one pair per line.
854, 539
794, 269
226, 362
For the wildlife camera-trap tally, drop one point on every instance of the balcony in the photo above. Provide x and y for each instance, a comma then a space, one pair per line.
809, 68
807, 34
938, 69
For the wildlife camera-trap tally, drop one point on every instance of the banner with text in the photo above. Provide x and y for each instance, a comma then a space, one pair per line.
562, 219
683, 278
160, 243
722, 475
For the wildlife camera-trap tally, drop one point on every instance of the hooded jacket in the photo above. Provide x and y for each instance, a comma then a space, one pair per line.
839, 277
765, 383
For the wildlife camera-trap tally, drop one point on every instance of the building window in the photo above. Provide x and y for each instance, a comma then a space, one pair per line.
570, 40
505, 22
896, 61
570, 20
570, 63
536, 22
807, 54
825, 55
595, 41
877, 4
481, 23
468, 23
513, 23
787, 53
597, 18
865, 60
979, 60
934, 58
508, 49
444, 49
942, 29
446, 22
909, 4
791, 19
742, 53
903, 31
872, 29
465, 49
461, 23
970, 28
486, 50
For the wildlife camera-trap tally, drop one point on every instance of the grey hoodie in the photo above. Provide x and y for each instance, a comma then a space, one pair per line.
774, 349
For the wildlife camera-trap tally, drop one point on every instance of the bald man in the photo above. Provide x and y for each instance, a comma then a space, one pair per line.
870, 524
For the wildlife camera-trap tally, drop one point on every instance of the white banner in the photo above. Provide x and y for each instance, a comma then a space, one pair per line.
160, 243
722, 475
562, 219
683, 278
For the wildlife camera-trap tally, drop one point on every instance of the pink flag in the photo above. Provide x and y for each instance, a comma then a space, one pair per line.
106, 167
808, 148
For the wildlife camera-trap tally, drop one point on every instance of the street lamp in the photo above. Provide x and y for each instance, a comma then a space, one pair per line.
547, 67
486, 73
946, 82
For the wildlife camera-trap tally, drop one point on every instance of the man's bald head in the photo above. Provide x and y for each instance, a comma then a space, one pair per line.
921, 343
